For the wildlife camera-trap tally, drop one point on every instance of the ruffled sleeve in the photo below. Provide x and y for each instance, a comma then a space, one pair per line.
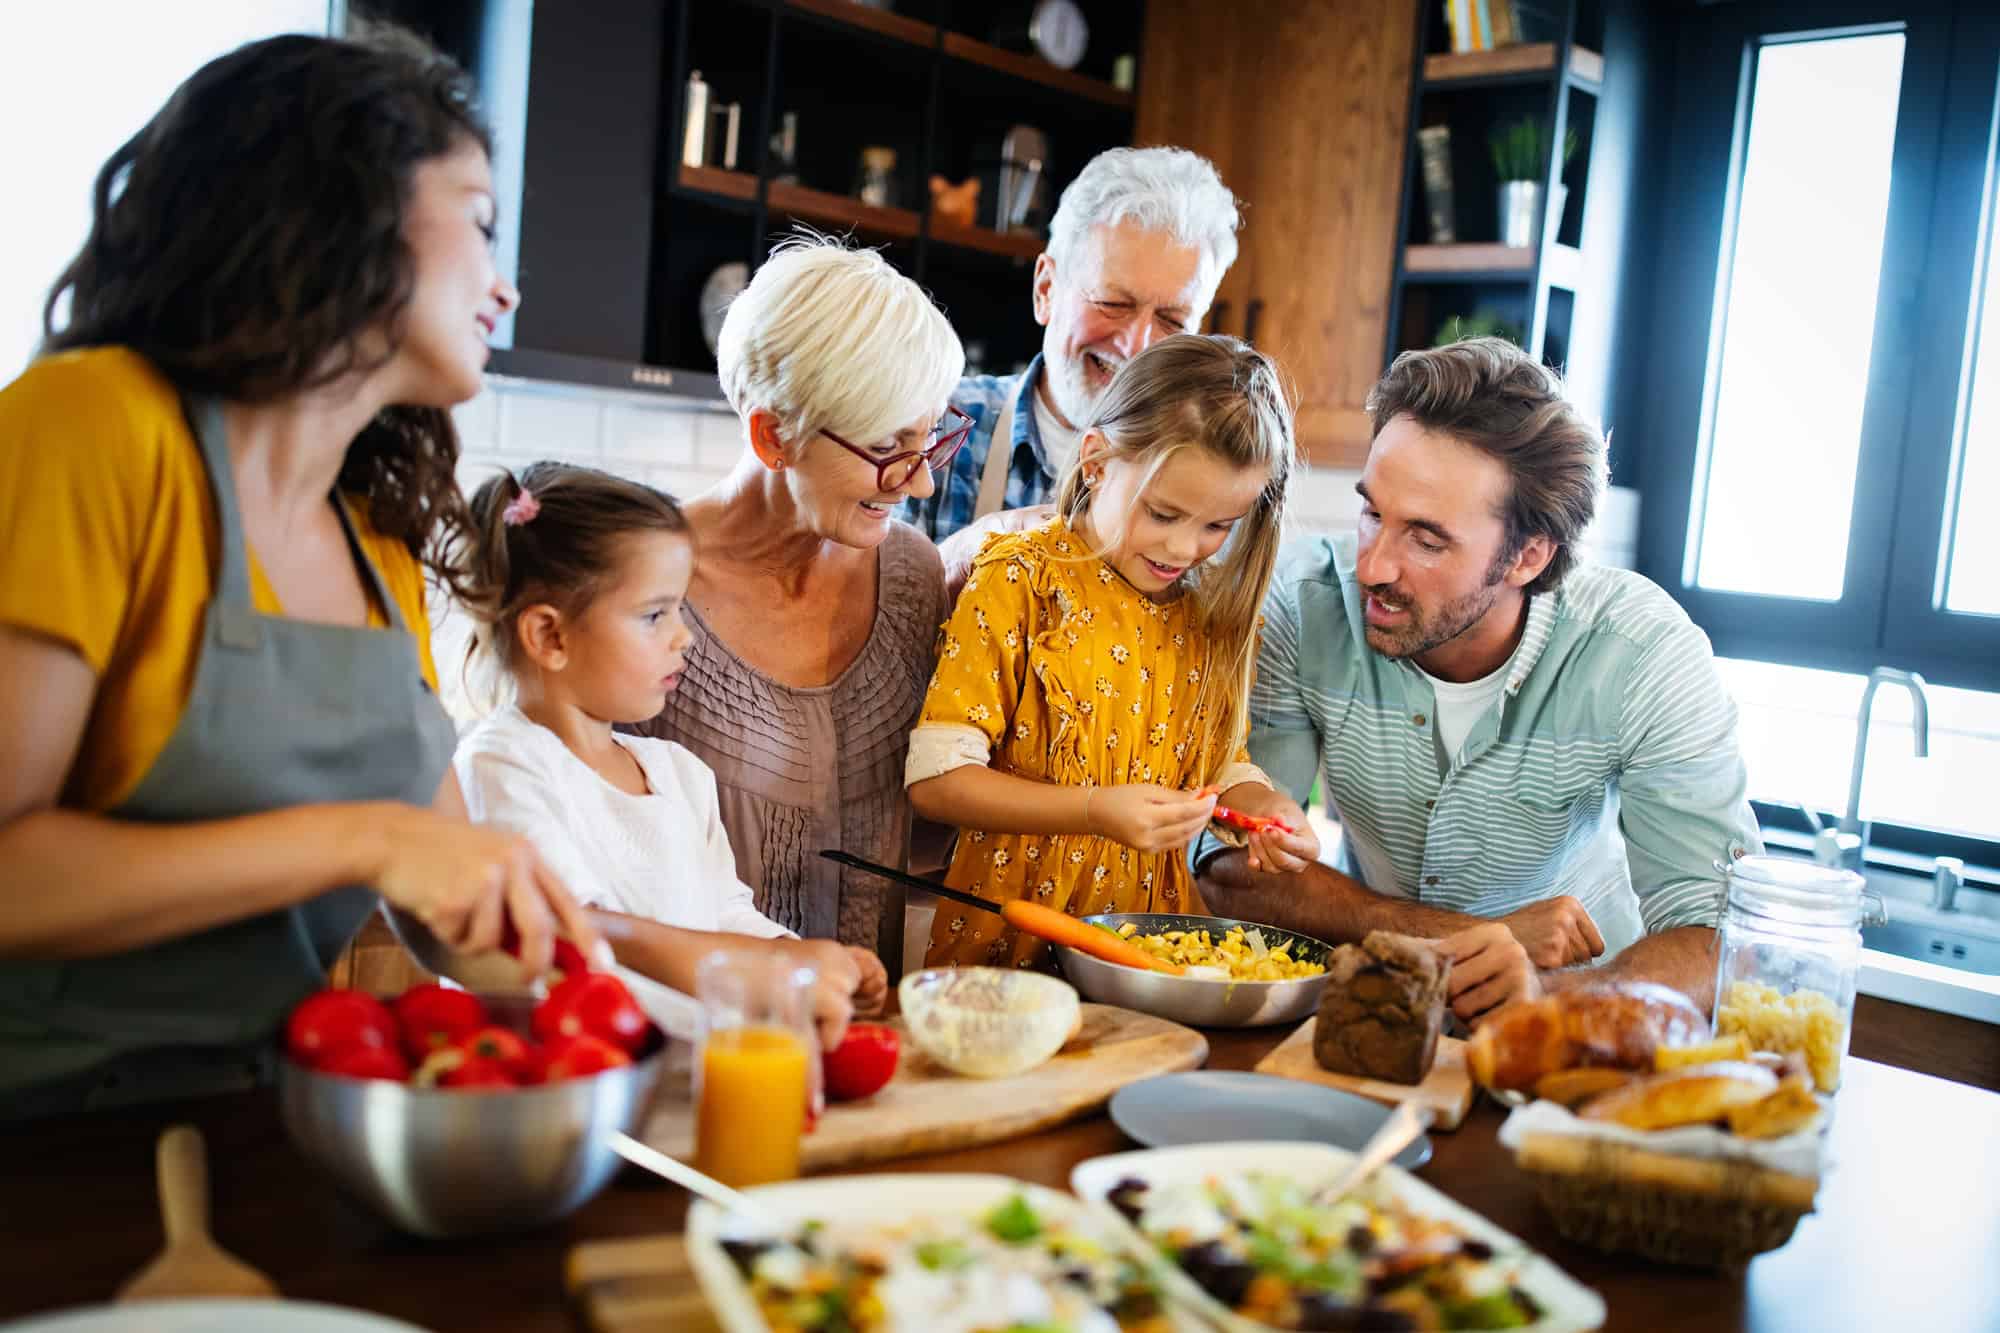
982, 666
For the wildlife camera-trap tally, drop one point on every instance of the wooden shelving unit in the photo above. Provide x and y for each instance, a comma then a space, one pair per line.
975, 52
1528, 292
841, 211
1458, 263
738, 185
1508, 62
1017, 244
856, 76
961, 47
880, 21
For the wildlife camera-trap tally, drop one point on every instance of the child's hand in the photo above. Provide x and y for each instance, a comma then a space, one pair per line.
832, 1008
856, 973
871, 991
1148, 818
1273, 849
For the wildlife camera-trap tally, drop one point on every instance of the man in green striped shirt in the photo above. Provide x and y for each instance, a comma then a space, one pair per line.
1533, 761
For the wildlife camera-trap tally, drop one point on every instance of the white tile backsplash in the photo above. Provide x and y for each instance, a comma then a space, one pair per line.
536, 425
639, 435
685, 445
718, 439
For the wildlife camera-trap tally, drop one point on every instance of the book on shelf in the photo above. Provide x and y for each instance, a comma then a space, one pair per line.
1481, 25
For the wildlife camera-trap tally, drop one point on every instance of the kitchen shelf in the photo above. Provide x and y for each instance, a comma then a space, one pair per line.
737, 185
878, 21
1457, 69
1015, 244
843, 210
840, 210
975, 52
961, 47
1470, 262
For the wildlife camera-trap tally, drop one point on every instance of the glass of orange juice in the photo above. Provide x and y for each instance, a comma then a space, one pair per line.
757, 1073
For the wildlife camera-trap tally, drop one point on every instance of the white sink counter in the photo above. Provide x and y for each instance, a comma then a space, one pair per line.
1946, 990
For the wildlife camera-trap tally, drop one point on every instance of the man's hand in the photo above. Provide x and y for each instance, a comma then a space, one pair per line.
1274, 849
1556, 932
959, 549
1489, 968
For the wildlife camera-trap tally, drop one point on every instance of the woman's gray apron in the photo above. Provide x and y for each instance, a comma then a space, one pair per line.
282, 713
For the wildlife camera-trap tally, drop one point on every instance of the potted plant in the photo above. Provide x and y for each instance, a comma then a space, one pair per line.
1520, 163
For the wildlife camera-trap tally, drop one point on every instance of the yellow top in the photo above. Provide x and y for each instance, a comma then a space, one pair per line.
108, 545
1072, 676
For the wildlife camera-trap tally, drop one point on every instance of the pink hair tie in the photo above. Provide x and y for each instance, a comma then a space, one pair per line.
521, 509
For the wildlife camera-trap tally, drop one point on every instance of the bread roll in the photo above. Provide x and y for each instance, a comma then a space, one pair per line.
1618, 1024
1574, 1087
1696, 1095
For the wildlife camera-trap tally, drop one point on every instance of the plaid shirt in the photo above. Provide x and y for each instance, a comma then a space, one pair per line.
1029, 480
1608, 768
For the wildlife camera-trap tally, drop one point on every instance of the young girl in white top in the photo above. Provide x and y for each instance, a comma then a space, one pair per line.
579, 578
1091, 695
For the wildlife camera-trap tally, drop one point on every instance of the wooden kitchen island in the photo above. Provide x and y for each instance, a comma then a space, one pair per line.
1907, 1235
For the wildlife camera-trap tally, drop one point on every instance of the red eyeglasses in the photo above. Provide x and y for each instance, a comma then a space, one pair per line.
894, 472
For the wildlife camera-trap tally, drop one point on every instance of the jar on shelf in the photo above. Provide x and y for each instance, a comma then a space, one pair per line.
1788, 954
875, 182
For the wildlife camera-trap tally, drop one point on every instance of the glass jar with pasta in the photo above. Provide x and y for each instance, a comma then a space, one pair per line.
1789, 950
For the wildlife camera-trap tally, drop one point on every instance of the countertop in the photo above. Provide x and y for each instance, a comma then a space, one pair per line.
1905, 1235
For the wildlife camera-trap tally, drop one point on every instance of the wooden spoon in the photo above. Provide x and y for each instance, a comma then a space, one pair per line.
192, 1264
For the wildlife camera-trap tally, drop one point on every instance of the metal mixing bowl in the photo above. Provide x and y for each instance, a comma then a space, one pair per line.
444, 1162
1197, 1001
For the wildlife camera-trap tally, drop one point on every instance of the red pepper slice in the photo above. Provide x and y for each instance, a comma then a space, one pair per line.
1236, 819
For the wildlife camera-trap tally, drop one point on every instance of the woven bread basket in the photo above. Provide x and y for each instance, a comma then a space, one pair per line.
1705, 1212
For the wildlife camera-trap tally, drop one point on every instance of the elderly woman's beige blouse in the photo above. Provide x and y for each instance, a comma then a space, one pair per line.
799, 769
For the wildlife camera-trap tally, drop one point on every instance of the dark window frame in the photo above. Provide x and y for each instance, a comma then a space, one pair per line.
1931, 252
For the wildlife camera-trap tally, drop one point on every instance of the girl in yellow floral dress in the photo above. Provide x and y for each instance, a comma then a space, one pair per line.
1091, 692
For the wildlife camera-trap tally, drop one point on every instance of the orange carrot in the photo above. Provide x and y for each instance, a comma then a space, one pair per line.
1060, 928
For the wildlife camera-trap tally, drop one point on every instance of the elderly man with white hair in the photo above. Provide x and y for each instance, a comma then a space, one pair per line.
1138, 245
814, 612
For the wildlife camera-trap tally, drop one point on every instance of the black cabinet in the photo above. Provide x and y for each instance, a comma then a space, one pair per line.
621, 228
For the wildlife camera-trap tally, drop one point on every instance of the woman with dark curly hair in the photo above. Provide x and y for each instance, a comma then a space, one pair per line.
220, 487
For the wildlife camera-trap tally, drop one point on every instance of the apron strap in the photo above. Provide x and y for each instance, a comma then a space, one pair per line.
232, 565
999, 459
391, 613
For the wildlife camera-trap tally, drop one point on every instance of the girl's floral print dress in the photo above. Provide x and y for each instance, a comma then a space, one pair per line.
1052, 667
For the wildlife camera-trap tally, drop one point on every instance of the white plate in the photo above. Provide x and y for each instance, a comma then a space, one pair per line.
213, 1317
1568, 1306
873, 1198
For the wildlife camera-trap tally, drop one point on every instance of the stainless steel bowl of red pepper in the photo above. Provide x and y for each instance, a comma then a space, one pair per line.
1194, 1000
450, 1115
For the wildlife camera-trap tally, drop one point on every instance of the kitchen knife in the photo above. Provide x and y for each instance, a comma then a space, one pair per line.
1033, 918
910, 881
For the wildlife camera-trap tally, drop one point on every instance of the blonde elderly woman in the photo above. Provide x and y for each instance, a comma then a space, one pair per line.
814, 611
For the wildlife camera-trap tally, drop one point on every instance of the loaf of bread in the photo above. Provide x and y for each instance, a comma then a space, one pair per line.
1616, 1024
1696, 1095
1382, 1009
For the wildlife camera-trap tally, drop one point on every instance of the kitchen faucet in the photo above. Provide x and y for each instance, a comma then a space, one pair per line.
1855, 853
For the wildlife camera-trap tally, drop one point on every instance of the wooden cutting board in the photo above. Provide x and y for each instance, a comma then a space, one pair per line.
1447, 1089
928, 1109
637, 1286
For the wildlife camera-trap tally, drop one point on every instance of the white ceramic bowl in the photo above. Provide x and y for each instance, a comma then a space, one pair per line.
988, 1022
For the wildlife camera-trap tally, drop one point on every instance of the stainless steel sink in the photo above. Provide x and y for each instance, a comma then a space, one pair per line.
1955, 939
